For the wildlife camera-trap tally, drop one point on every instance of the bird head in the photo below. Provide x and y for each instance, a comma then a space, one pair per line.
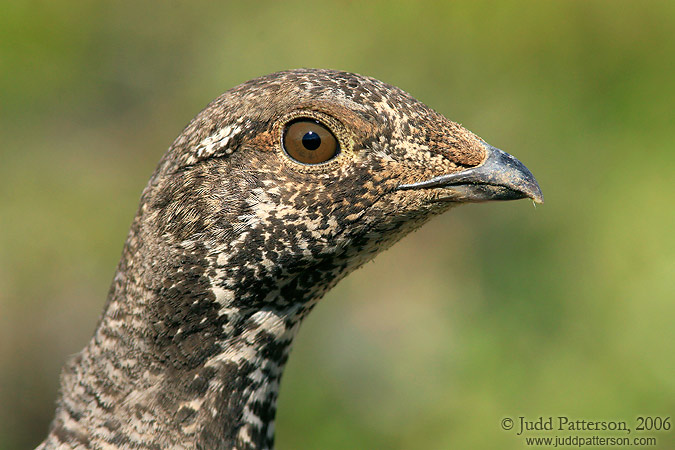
307, 164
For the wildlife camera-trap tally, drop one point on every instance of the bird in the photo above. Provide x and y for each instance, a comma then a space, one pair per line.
273, 193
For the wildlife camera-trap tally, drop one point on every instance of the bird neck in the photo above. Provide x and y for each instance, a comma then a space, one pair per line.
189, 352
191, 346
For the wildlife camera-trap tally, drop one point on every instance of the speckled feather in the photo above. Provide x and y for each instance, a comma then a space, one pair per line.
233, 245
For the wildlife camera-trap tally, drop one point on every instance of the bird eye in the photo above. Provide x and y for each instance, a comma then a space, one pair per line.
309, 141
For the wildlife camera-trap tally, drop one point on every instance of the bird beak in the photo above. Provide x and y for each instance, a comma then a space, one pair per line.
499, 177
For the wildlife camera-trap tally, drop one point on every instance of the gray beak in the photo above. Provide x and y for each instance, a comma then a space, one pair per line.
499, 177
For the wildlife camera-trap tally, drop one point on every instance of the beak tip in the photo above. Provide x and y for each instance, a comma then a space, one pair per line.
538, 198
510, 172
534, 192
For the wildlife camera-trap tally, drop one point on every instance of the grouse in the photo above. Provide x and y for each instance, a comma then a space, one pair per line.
273, 193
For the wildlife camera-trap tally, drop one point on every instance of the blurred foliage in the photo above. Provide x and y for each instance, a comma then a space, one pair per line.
490, 311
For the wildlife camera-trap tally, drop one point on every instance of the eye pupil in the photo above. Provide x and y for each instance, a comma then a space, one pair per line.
311, 140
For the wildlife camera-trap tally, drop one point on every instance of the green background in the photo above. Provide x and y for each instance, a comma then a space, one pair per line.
490, 311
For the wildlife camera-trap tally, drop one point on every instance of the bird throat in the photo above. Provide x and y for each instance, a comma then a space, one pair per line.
190, 349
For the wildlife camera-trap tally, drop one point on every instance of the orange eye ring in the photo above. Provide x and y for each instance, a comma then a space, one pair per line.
308, 141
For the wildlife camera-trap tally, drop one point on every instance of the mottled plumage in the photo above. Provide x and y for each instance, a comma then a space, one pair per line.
235, 242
